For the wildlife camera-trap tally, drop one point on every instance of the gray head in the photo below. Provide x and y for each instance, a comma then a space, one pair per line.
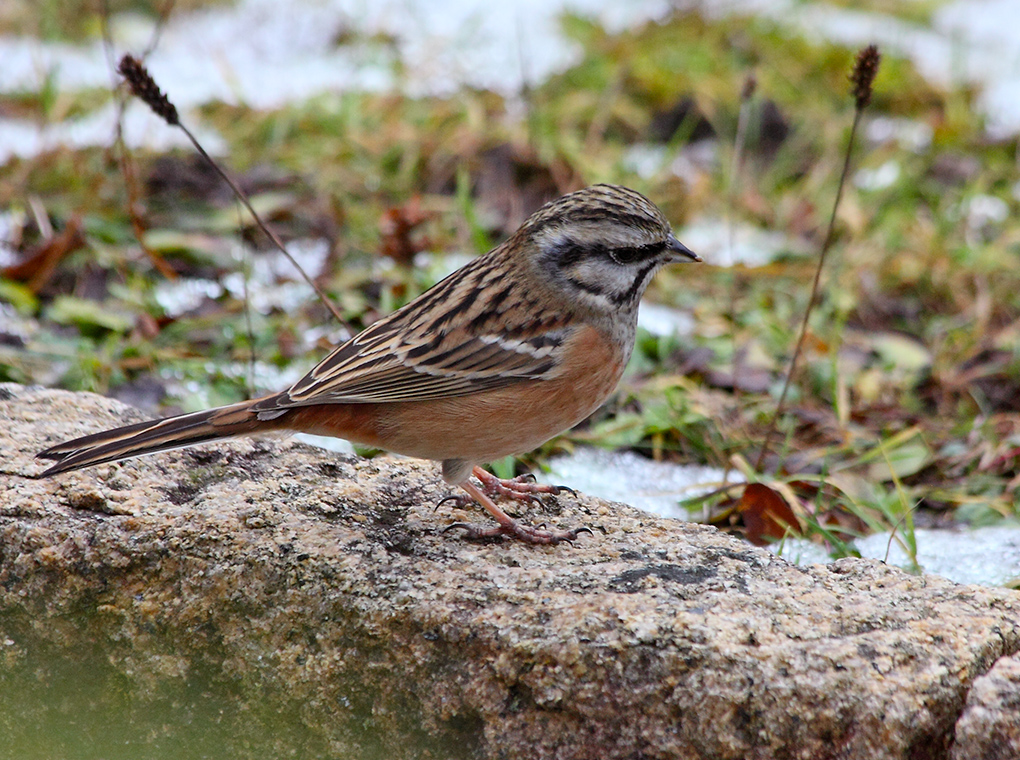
602, 245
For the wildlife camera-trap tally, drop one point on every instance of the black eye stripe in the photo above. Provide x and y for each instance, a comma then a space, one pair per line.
636, 253
569, 252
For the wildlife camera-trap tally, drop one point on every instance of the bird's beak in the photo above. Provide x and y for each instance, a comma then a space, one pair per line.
680, 252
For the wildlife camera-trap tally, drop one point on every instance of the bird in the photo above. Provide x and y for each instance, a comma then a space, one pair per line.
510, 350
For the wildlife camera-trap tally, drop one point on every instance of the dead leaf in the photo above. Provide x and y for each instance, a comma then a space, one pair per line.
396, 227
766, 514
37, 270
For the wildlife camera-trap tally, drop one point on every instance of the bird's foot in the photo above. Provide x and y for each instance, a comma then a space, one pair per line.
507, 526
521, 488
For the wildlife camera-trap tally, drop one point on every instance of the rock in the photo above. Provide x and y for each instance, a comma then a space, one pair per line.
989, 728
324, 584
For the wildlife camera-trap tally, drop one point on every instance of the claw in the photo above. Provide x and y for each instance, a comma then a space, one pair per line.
461, 501
524, 533
456, 498
475, 532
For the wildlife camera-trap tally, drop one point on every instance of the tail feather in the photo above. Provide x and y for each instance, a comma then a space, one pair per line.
149, 437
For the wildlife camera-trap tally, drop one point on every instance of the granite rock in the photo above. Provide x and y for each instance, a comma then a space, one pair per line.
989, 728
325, 582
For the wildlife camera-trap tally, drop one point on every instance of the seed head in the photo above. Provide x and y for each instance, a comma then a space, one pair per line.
145, 89
863, 76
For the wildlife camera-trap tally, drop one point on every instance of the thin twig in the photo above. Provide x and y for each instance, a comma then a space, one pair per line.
862, 79
157, 32
127, 167
525, 94
739, 144
145, 89
246, 267
732, 179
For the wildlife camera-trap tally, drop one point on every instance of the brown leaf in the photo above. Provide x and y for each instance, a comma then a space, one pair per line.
766, 514
396, 227
36, 270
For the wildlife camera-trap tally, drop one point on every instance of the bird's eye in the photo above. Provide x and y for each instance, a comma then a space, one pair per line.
635, 253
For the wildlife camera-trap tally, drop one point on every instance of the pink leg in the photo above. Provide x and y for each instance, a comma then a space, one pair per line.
520, 488
507, 525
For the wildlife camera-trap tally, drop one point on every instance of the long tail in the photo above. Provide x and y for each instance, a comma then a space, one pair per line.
157, 435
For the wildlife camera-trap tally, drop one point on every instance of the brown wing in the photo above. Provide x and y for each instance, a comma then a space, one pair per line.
461, 336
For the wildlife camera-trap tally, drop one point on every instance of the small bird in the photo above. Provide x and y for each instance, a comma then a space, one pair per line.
510, 350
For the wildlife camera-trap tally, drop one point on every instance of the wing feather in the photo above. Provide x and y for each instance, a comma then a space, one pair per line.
455, 339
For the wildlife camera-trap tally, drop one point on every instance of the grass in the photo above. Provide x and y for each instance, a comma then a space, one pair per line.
903, 411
